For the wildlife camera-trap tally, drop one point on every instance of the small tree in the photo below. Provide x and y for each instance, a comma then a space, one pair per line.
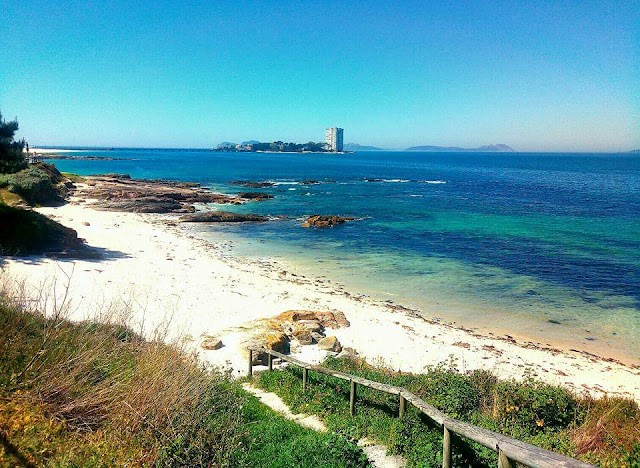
11, 156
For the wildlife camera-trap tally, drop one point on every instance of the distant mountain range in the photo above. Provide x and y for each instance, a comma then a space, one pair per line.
497, 148
358, 147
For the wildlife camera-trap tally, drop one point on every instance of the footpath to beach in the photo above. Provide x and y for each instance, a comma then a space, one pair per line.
167, 280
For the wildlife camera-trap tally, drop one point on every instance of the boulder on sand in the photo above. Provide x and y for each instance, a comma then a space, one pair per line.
320, 221
326, 318
211, 343
330, 343
302, 334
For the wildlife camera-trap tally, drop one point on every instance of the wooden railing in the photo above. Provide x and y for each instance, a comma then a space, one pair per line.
509, 450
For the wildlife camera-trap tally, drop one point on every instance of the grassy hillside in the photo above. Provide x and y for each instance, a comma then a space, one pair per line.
604, 431
88, 394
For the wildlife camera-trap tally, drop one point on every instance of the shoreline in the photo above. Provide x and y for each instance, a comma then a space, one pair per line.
149, 268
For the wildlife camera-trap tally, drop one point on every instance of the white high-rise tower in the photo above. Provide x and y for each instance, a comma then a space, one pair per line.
334, 138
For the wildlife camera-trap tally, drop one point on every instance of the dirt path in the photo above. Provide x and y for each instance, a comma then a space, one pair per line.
377, 454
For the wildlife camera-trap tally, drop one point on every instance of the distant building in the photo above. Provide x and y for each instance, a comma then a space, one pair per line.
334, 138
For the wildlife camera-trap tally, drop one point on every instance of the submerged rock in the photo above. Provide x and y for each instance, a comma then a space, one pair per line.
222, 217
252, 184
257, 196
320, 221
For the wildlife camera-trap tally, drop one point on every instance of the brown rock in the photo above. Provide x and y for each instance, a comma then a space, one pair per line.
335, 319
211, 344
328, 319
320, 221
277, 341
330, 343
302, 334
312, 325
295, 315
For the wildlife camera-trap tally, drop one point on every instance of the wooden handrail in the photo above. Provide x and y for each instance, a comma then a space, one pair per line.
509, 450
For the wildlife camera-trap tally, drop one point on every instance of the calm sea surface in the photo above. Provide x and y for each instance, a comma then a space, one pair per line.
545, 246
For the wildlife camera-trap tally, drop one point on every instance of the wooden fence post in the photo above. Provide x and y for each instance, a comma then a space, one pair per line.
503, 461
446, 448
403, 404
305, 378
270, 358
250, 372
352, 399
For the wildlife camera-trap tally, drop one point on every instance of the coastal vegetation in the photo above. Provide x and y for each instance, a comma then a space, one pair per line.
98, 394
24, 231
603, 431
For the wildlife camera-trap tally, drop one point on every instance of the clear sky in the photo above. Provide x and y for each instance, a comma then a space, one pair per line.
536, 75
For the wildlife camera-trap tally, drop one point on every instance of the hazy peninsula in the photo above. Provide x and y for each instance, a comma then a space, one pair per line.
497, 148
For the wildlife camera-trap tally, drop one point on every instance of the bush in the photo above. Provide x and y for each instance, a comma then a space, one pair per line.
38, 184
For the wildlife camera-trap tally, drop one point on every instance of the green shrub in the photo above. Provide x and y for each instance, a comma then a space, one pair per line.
38, 185
534, 406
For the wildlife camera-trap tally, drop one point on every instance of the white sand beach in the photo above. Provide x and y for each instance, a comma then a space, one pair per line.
163, 275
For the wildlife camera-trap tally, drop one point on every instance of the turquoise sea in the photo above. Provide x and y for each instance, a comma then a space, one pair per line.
541, 246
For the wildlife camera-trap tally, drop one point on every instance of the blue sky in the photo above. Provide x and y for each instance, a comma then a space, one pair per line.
536, 75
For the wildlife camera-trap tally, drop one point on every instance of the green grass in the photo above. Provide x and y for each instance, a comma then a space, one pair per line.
75, 178
92, 394
605, 432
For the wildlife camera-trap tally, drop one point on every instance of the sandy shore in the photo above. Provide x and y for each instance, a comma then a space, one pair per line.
163, 276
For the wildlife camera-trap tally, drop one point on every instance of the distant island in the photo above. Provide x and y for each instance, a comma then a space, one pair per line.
497, 148
253, 146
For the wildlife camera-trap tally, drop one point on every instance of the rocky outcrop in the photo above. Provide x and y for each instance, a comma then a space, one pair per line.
119, 192
327, 319
257, 196
330, 343
221, 217
291, 328
320, 221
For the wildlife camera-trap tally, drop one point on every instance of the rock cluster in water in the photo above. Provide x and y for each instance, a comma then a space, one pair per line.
221, 217
320, 221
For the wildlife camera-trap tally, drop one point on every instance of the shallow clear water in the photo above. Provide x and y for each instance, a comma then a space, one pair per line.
503, 242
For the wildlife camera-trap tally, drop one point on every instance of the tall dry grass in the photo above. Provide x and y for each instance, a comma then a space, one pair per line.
130, 400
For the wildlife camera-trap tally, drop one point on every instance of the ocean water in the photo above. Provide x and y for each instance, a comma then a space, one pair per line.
540, 246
